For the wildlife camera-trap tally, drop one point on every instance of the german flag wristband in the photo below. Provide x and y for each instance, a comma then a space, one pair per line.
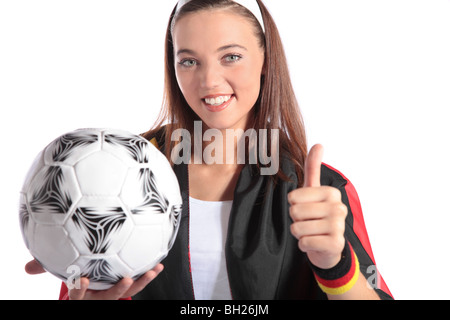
341, 277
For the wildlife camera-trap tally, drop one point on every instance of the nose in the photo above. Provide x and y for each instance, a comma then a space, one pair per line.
210, 76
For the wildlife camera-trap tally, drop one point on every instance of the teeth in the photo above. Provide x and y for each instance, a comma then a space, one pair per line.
218, 100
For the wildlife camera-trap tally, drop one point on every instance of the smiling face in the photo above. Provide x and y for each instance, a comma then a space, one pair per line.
218, 65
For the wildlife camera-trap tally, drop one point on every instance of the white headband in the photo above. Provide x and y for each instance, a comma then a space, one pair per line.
251, 5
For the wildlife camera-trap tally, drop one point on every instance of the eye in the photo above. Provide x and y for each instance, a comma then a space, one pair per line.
188, 63
231, 58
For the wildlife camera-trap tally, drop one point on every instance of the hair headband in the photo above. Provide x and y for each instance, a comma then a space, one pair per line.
251, 5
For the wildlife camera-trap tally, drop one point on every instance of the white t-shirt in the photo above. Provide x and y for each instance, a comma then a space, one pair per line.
208, 227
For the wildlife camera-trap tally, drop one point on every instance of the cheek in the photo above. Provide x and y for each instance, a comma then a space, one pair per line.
247, 82
186, 83
181, 79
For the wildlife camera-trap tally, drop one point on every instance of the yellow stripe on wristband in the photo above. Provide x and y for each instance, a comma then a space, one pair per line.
345, 287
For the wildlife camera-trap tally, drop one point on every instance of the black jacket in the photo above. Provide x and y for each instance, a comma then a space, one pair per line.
263, 258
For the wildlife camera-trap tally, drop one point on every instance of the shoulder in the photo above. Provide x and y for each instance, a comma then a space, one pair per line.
156, 137
330, 176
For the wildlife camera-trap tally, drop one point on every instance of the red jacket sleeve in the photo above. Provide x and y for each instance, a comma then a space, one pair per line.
356, 232
64, 292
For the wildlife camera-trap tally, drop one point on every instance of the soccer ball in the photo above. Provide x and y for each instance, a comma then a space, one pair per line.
102, 203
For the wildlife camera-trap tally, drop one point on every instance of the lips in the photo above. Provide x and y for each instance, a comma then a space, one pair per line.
217, 103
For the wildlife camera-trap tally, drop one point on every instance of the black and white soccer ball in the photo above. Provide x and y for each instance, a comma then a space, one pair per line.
100, 202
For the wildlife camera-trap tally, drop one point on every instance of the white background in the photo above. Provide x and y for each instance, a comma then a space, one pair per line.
372, 79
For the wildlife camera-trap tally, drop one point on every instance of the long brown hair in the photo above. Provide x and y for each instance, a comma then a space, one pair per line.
277, 106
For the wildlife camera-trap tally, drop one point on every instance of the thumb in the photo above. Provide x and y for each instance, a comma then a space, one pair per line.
33, 267
312, 166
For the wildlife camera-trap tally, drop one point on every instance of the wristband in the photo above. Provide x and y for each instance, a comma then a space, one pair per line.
342, 277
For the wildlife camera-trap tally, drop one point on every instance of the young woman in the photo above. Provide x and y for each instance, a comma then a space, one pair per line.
296, 234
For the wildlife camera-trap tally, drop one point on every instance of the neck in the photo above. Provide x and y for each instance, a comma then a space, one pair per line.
227, 146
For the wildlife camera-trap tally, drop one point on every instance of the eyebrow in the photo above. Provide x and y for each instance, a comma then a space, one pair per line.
223, 48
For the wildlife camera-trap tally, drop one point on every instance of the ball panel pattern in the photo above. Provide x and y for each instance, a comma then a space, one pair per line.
105, 202
52, 194
66, 148
101, 173
53, 248
102, 272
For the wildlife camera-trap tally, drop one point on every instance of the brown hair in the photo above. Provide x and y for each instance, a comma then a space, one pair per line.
277, 106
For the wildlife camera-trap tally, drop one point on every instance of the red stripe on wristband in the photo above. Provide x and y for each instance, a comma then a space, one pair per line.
344, 283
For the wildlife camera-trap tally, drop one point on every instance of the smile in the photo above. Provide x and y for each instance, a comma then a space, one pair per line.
217, 103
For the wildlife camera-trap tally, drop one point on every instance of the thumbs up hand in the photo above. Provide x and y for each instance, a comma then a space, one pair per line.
318, 215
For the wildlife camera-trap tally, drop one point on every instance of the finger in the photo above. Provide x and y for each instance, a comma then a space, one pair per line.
79, 293
117, 291
323, 251
316, 211
314, 194
310, 228
312, 166
143, 281
34, 267
321, 244
309, 211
